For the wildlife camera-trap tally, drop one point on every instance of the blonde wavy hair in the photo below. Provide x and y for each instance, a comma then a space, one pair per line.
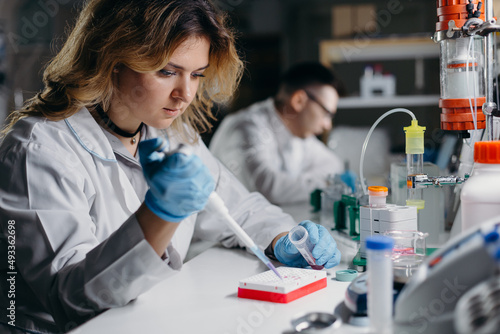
141, 34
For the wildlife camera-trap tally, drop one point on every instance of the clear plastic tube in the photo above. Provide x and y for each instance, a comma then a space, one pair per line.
380, 283
415, 166
300, 238
365, 144
473, 111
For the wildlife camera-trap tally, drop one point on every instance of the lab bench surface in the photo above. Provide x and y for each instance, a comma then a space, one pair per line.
202, 298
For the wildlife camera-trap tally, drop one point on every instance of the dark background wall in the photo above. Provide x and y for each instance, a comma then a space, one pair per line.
273, 34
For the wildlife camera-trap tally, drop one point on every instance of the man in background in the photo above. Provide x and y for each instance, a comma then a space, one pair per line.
271, 146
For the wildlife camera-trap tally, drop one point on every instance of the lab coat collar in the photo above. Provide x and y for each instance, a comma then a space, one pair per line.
90, 135
279, 127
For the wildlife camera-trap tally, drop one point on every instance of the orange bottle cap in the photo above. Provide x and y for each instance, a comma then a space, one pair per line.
378, 191
487, 152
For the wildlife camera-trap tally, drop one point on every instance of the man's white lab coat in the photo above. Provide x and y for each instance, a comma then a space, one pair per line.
78, 246
266, 157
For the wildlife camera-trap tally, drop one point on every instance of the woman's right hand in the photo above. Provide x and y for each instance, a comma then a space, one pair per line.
179, 184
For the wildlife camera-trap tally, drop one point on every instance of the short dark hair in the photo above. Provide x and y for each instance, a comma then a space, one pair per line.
302, 75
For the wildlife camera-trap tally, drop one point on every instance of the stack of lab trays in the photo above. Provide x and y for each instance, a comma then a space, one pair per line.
379, 217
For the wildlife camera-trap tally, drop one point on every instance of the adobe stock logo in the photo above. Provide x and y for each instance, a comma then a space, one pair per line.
250, 323
421, 319
30, 26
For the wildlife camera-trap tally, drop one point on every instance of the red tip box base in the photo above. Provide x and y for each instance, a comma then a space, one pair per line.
296, 283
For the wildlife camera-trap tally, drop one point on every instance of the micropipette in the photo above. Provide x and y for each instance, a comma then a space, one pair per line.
216, 205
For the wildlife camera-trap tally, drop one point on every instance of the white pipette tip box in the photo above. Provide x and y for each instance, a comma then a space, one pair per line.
296, 283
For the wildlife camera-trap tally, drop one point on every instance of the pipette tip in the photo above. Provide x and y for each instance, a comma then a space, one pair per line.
273, 268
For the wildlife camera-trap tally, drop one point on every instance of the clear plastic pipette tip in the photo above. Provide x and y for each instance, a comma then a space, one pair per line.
273, 268
266, 261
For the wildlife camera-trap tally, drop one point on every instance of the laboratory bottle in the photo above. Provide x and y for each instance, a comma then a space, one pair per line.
480, 194
380, 283
377, 196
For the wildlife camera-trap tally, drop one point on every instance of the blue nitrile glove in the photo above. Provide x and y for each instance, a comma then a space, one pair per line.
179, 184
349, 178
325, 248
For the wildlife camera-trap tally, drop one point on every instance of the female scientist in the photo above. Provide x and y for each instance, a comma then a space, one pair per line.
91, 214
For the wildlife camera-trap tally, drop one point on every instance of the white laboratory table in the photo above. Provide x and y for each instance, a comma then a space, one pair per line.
202, 298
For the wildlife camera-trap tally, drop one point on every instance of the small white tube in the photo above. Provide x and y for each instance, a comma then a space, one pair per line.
380, 283
377, 196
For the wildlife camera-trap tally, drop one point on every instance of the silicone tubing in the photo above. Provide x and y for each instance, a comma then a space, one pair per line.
365, 144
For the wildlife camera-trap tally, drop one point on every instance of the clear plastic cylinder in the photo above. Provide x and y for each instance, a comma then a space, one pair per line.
462, 68
415, 166
380, 283
414, 161
300, 238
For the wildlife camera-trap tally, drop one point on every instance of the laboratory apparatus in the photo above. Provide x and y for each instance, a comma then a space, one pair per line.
330, 195
356, 299
380, 283
216, 205
300, 238
296, 283
378, 218
408, 253
478, 311
376, 83
462, 66
414, 161
428, 300
445, 293
416, 179
346, 214
432, 218
480, 195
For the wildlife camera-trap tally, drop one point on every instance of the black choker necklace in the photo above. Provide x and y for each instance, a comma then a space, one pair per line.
109, 123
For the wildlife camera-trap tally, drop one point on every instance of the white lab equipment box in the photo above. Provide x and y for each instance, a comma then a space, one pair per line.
376, 220
378, 85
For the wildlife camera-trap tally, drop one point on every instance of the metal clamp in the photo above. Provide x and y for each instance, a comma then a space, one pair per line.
421, 181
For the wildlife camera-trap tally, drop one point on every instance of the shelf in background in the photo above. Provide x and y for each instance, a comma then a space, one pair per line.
346, 51
402, 101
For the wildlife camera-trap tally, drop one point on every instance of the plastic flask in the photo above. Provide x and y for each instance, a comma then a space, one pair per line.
480, 194
380, 283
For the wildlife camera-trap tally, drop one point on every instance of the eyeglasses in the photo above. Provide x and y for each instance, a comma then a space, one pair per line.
313, 98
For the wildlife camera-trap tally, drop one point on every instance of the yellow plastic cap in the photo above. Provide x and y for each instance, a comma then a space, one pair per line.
414, 138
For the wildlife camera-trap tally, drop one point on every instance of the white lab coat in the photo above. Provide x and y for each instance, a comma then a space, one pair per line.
266, 157
78, 246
